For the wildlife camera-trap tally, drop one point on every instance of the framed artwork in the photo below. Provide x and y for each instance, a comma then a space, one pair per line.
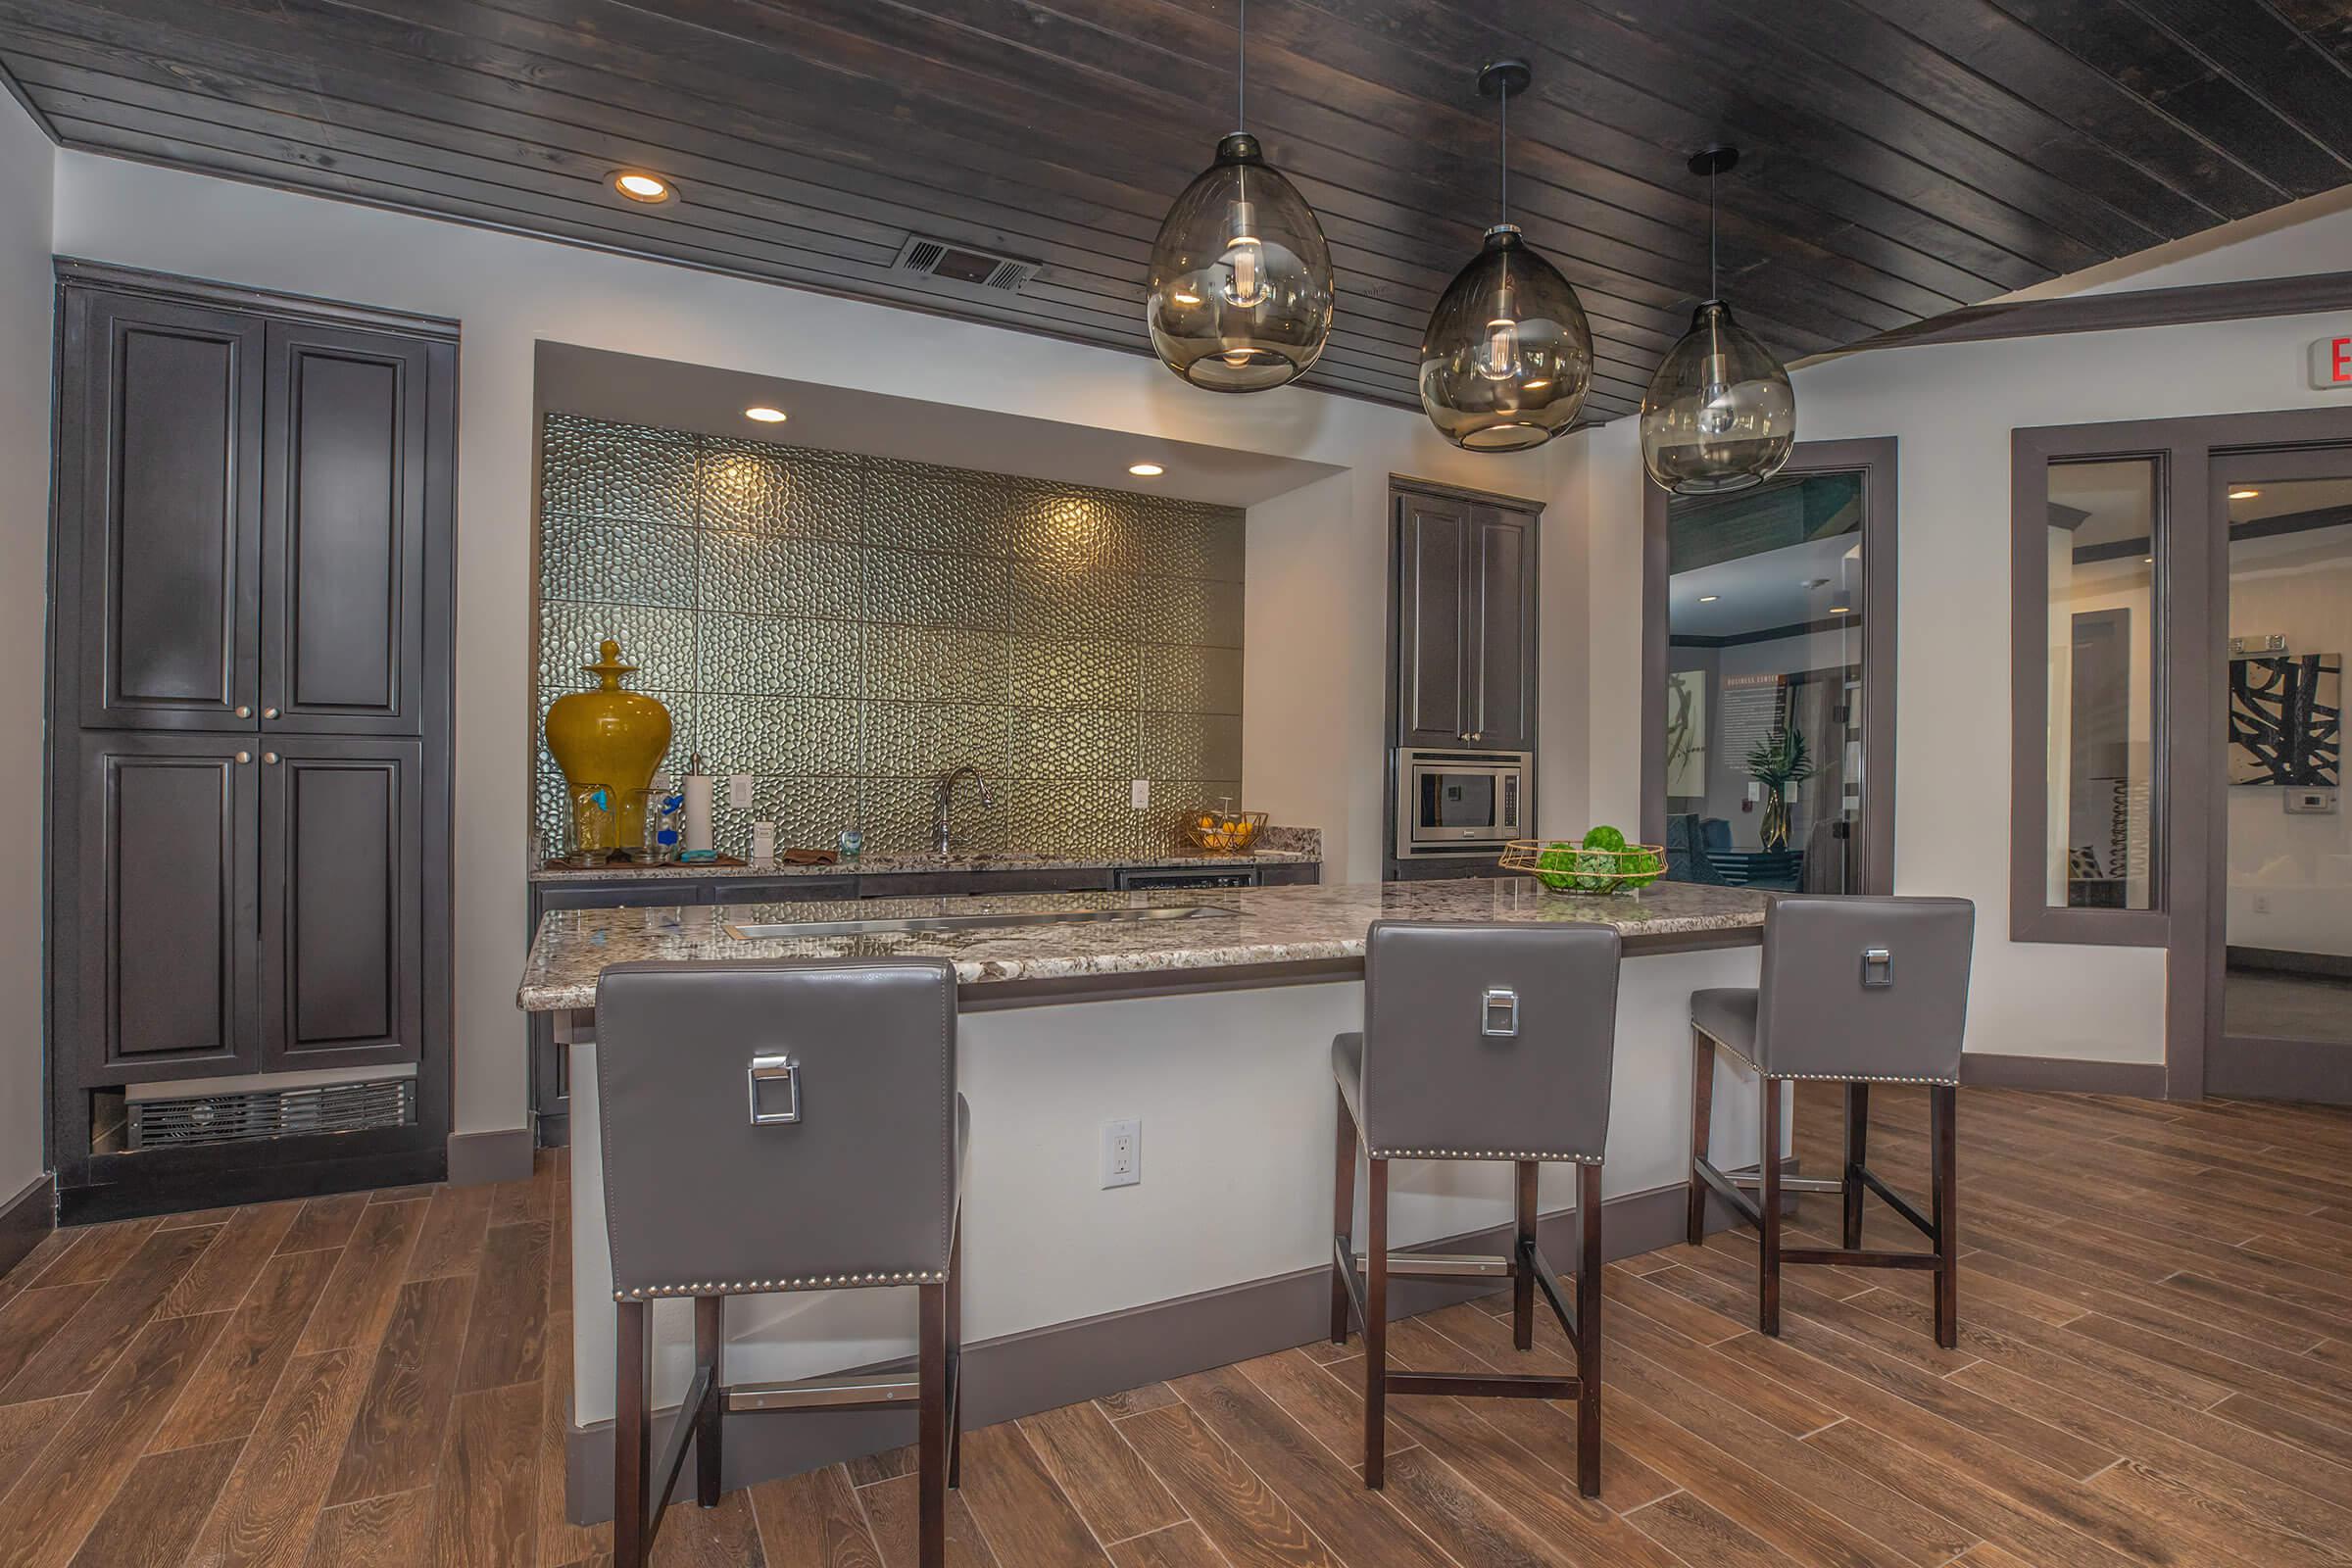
1687, 732
2287, 719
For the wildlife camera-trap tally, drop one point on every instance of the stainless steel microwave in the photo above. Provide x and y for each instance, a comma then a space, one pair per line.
1460, 803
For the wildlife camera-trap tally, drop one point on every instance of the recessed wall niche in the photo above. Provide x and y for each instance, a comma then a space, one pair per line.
845, 629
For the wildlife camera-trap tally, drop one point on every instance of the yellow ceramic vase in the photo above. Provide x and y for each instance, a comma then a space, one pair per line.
610, 737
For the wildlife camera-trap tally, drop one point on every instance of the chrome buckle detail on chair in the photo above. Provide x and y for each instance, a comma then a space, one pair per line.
769, 1069
1878, 967
1499, 1013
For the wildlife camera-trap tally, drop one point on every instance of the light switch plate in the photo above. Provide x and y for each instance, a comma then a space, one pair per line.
1139, 795
739, 791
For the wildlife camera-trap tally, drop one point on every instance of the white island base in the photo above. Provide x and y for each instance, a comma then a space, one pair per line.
1218, 1254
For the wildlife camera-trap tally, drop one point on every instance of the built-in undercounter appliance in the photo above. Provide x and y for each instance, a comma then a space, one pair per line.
1459, 805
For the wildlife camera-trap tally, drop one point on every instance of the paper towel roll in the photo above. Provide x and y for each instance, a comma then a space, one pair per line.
698, 808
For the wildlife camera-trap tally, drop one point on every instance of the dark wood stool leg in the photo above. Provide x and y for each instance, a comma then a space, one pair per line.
1588, 1332
1376, 1325
1523, 1280
632, 1436
1342, 1218
931, 1428
1858, 1154
955, 1353
1768, 1165
1702, 1115
709, 1350
1945, 1113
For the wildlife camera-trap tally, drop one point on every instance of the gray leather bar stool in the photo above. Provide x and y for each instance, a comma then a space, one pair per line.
1859, 991
1480, 1042
767, 1127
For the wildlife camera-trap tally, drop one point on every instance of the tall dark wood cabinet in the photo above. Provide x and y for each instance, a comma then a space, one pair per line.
249, 808
1464, 621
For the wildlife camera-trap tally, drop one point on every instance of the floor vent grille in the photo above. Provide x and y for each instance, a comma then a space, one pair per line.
964, 266
273, 1114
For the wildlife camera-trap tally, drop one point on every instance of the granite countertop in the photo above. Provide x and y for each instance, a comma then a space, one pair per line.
1277, 925
1278, 846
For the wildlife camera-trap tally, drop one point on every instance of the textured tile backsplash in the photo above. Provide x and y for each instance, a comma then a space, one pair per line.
845, 629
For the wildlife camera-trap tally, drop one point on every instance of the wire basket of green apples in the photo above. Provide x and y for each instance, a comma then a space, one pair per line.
1600, 862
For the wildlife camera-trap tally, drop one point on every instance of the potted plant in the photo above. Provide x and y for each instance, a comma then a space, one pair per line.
1778, 762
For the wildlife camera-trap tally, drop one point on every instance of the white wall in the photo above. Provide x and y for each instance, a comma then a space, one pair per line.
26, 162
1311, 741
1952, 409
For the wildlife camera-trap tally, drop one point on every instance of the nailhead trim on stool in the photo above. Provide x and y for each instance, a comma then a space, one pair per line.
1828, 1077
810, 1282
1481, 1154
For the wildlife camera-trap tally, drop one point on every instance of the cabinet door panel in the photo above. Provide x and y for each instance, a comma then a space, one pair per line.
341, 867
1432, 539
1502, 715
344, 532
164, 928
165, 447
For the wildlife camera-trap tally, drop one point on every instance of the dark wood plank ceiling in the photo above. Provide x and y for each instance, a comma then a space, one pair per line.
1902, 158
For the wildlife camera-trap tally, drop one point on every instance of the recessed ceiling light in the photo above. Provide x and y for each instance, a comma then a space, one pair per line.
2147, 561
1708, 598
640, 186
764, 414
2244, 492
1839, 609
1146, 470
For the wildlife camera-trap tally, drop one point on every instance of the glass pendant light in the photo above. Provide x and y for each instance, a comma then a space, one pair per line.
1720, 413
1508, 355
1241, 276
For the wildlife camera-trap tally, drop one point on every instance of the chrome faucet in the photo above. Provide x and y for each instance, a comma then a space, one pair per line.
945, 800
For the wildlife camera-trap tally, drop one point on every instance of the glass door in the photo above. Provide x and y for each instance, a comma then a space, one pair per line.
2284, 967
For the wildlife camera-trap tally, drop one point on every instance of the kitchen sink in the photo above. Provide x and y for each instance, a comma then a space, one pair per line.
755, 932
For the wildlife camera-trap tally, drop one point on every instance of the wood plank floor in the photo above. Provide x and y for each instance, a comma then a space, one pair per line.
2155, 1367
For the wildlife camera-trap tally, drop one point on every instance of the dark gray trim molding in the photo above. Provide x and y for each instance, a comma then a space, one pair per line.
2144, 1080
236, 296
1877, 459
2250, 1067
1482, 498
503, 1155
24, 1219
1063, 1363
2184, 306
1770, 634
2280, 960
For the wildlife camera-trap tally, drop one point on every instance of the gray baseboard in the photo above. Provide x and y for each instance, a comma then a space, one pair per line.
2142, 1079
503, 1155
24, 1219
1063, 1363
2310, 1071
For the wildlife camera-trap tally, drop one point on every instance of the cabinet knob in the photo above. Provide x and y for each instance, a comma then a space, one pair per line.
243, 712
268, 712
269, 756
244, 757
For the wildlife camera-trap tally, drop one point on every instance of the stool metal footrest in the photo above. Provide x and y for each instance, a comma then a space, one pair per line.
1445, 1265
1487, 1384
843, 1391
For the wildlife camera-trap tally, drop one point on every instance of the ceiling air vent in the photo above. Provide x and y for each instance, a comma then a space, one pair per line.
962, 267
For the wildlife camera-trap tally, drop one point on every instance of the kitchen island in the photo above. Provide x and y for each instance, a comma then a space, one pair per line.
1205, 1014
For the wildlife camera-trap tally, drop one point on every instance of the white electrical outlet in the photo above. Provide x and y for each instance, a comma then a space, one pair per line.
2262, 903
739, 791
1123, 1152
1139, 795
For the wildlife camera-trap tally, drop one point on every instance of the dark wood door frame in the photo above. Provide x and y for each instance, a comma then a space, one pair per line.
1874, 458
2192, 829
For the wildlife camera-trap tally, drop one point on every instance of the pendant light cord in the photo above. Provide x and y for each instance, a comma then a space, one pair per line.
1714, 285
1502, 154
1241, 47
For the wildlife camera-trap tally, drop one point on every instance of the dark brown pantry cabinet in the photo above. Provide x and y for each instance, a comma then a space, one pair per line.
249, 811
1463, 621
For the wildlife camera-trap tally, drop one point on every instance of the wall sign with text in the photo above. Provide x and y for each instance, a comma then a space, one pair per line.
2332, 364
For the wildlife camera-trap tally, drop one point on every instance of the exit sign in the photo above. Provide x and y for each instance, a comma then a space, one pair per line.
2332, 364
